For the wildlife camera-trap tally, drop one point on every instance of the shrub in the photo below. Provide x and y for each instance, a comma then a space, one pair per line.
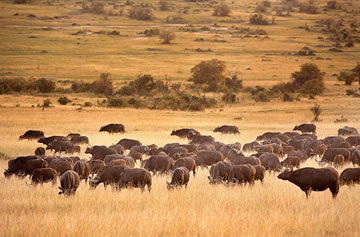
164, 5
166, 36
103, 85
259, 19
116, 102
176, 19
144, 14
80, 86
64, 100
45, 85
333, 5
347, 77
316, 110
8, 85
87, 104
308, 8
356, 70
261, 9
98, 6
151, 32
229, 97
287, 98
308, 72
233, 83
261, 97
4, 156
210, 72
46, 103
222, 10
313, 87
21, 1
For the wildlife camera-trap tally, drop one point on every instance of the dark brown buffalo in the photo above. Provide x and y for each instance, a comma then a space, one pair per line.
107, 175
159, 164
248, 147
83, 168
183, 133
282, 137
71, 135
265, 148
340, 145
333, 139
15, 166
242, 160
225, 149
339, 161
180, 177
313, 179
242, 174
291, 162
95, 166
350, 176
79, 140
267, 136
355, 156
187, 162
347, 131
287, 148
61, 165
330, 154
200, 139
44, 175
118, 162
271, 162
69, 182
113, 128
353, 140
32, 135
306, 128
220, 172
118, 148
207, 158
40, 151
33, 164
48, 140
128, 143
227, 129
260, 173
60, 146
100, 152
176, 150
112, 157
135, 178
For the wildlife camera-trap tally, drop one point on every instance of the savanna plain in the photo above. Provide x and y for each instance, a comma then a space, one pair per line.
46, 46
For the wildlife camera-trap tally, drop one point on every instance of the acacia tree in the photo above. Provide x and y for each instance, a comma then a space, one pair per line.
309, 80
166, 36
210, 72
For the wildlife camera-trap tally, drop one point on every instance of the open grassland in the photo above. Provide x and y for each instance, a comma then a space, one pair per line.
275, 208
71, 47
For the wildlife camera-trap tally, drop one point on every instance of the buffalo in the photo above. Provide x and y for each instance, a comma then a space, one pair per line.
40, 151
44, 175
107, 175
291, 162
32, 135
135, 177
61, 165
83, 168
220, 172
15, 166
271, 162
113, 128
128, 143
183, 132
69, 182
313, 179
158, 163
33, 164
187, 162
200, 139
267, 136
100, 152
95, 166
347, 131
260, 173
79, 140
350, 176
207, 158
180, 176
242, 174
48, 140
306, 128
227, 129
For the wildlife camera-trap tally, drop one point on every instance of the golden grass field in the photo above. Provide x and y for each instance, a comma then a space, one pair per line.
275, 208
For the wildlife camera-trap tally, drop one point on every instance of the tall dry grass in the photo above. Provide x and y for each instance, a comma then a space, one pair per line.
275, 208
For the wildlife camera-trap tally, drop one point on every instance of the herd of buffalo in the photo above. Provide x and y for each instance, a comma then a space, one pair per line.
227, 163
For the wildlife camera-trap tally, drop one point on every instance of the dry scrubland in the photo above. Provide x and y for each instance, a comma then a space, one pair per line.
272, 209
29, 49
